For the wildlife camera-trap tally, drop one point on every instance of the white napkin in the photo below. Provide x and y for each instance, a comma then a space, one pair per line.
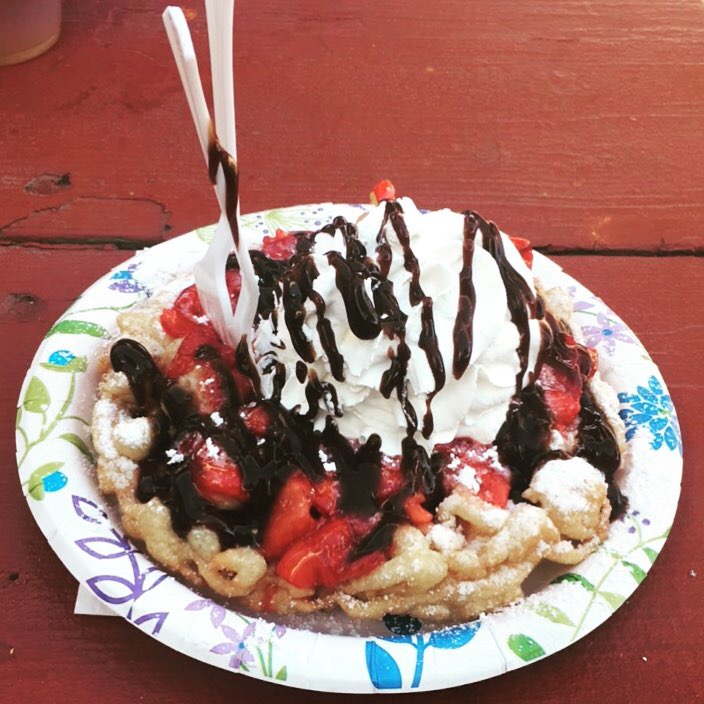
87, 604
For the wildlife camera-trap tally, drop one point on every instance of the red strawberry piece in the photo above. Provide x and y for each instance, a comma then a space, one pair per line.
563, 391
321, 558
290, 516
464, 455
186, 315
524, 249
184, 359
583, 359
415, 511
326, 495
233, 279
281, 246
384, 190
494, 488
216, 476
391, 479
175, 323
188, 303
256, 418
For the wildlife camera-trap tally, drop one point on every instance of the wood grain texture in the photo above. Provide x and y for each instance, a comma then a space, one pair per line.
576, 123
59, 657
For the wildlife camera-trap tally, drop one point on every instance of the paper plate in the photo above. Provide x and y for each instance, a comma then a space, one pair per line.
328, 652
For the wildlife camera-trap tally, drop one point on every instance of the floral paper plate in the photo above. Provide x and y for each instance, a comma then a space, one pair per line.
327, 652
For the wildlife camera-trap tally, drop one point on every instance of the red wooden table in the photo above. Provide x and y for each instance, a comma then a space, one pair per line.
577, 124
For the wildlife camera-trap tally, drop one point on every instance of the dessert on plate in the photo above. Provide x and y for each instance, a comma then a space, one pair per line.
410, 426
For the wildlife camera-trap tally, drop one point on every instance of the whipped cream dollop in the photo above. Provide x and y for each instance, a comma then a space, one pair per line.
433, 397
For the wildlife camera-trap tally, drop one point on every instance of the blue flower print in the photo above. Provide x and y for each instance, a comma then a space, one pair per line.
651, 407
383, 668
124, 281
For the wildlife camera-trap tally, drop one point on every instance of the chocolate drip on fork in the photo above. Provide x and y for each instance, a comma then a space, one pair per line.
218, 156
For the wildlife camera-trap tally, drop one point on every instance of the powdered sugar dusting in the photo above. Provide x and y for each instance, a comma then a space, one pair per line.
567, 484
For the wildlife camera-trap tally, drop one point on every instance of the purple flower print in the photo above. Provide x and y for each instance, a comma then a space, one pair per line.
217, 612
237, 645
578, 305
606, 332
124, 281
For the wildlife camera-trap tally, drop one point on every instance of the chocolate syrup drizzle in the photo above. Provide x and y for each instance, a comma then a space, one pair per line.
219, 157
462, 337
520, 298
291, 442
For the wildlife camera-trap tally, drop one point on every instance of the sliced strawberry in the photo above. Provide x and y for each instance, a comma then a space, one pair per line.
475, 466
384, 190
290, 517
494, 488
175, 323
184, 359
326, 496
415, 511
217, 477
525, 249
188, 303
281, 246
187, 315
321, 558
256, 418
391, 479
563, 391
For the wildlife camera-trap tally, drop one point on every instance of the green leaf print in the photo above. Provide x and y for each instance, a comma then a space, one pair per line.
652, 554
638, 573
285, 219
574, 577
35, 486
525, 647
18, 417
552, 613
79, 327
281, 674
77, 364
36, 398
612, 599
206, 234
78, 443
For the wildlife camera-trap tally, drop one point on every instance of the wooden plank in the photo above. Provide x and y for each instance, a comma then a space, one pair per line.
576, 124
47, 654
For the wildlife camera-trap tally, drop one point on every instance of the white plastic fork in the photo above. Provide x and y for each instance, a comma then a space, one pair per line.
210, 271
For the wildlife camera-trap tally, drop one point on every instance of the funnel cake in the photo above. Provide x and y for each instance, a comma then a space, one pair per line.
410, 427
